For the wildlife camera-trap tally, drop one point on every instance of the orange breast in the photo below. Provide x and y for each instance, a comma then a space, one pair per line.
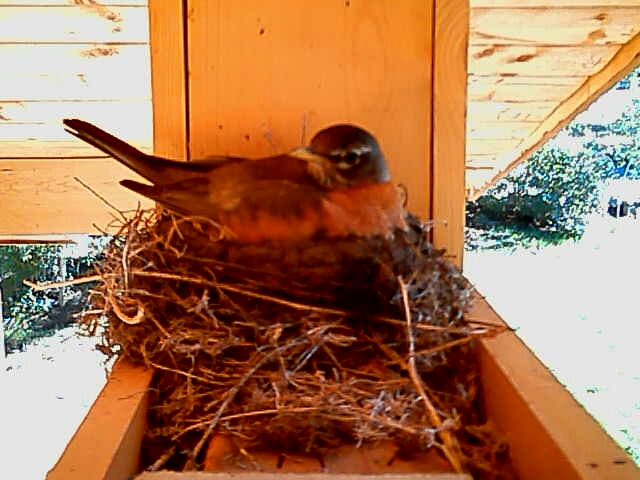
362, 211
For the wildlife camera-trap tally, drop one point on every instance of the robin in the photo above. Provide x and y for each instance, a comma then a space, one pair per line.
337, 186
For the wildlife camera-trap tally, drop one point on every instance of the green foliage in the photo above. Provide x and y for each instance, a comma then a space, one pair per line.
29, 314
546, 199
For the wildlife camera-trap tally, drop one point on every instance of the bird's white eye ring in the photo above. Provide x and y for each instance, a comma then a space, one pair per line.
348, 160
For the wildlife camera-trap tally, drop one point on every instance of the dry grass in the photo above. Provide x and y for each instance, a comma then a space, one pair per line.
300, 347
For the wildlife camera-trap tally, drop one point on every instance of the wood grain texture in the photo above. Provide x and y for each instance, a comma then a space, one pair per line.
130, 120
493, 111
500, 130
626, 59
73, 24
554, 26
168, 78
487, 146
116, 63
265, 76
449, 123
551, 3
87, 82
518, 92
534, 61
46, 3
42, 196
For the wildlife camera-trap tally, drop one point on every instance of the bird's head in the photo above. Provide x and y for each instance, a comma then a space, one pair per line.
353, 152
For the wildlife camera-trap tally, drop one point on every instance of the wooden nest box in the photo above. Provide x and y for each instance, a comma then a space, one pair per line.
254, 78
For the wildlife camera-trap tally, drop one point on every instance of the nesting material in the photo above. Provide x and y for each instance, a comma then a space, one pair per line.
295, 347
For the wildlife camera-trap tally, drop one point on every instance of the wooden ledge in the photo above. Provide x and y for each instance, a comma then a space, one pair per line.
549, 433
107, 444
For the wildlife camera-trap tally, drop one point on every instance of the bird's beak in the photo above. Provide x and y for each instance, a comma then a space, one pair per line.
319, 167
303, 153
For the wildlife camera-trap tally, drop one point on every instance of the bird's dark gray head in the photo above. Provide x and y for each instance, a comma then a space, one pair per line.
354, 152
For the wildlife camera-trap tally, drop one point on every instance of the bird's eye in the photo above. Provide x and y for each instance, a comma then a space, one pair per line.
351, 158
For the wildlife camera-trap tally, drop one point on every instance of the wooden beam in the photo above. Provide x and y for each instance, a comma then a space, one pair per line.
626, 59
168, 78
449, 123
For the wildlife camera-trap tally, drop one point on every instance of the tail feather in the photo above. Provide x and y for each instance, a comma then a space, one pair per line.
154, 193
155, 169
126, 154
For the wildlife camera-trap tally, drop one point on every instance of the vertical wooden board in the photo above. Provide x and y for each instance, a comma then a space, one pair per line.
449, 122
265, 76
168, 78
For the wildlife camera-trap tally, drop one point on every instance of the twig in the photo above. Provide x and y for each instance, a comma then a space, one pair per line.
104, 200
288, 303
65, 283
231, 394
157, 465
450, 445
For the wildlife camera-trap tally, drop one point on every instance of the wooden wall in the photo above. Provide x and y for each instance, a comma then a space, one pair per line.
68, 58
254, 78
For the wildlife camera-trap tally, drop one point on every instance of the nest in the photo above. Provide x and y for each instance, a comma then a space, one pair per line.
300, 347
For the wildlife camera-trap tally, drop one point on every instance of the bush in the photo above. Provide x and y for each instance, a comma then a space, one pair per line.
546, 199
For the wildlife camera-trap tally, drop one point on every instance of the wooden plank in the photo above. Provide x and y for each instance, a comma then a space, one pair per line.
485, 146
69, 85
531, 408
518, 92
492, 111
43, 197
168, 78
107, 444
266, 75
500, 130
110, 63
539, 61
73, 24
449, 119
43, 120
45, 3
53, 132
522, 80
57, 149
626, 59
551, 3
554, 26
480, 161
